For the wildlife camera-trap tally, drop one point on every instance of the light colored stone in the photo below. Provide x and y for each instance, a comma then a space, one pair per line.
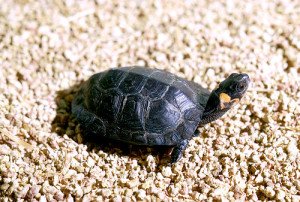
46, 50
280, 195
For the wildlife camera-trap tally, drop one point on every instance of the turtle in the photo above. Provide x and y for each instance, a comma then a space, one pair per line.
152, 107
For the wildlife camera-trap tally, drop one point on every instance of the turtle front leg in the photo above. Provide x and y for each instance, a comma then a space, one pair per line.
177, 151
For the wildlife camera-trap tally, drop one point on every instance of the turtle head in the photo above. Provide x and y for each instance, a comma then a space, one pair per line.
226, 95
231, 90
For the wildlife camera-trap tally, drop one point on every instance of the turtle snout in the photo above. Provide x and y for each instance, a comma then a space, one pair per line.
245, 77
242, 78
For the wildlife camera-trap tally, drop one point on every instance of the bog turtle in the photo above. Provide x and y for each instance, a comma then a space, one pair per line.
151, 107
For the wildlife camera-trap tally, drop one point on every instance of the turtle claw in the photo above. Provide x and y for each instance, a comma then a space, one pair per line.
196, 133
177, 151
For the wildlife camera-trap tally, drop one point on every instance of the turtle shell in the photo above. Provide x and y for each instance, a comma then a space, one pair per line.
140, 105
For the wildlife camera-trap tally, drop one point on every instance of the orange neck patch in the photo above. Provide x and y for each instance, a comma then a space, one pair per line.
225, 98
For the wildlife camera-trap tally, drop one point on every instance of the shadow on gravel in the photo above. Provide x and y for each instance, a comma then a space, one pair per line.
65, 123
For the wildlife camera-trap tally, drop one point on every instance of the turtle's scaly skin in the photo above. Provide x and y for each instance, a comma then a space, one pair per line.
140, 106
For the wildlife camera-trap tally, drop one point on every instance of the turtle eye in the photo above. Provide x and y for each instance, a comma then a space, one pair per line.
240, 87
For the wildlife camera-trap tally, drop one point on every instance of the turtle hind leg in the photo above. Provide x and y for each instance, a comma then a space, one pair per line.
177, 151
91, 125
94, 127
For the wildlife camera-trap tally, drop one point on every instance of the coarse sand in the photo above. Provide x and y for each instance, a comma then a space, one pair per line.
48, 48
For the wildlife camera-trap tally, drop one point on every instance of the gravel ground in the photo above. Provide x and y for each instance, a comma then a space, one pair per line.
47, 48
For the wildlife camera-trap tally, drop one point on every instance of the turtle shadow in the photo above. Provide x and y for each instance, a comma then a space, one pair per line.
65, 123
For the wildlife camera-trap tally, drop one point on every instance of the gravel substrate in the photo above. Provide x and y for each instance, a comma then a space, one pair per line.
47, 48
